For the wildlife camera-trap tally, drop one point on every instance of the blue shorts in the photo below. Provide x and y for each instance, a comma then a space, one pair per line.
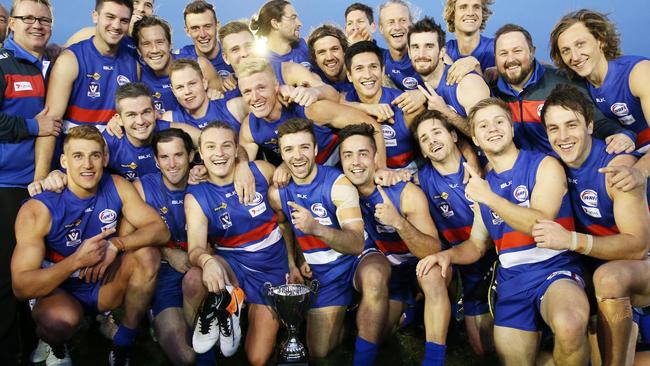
335, 285
403, 283
169, 289
252, 277
521, 310
473, 307
86, 293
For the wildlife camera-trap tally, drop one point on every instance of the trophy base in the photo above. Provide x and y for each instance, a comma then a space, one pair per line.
292, 363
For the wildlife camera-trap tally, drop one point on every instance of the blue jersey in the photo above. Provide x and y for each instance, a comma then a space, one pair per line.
92, 100
343, 86
161, 89
400, 146
325, 262
266, 136
22, 84
401, 72
128, 160
450, 94
217, 111
616, 101
484, 51
232, 226
299, 54
384, 236
169, 205
220, 66
518, 252
76, 219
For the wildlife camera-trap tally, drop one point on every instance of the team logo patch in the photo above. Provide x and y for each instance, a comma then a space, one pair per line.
107, 67
93, 90
620, 109
410, 82
384, 229
73, 238
319, 210
225, 220
306, 64
22, 86
95, 76
164, 210
3, 55
388, 131
131, 165
107, 216
589, 197
521, 193
592, 211
75, 223
156, 95
496, 219
225, 73
446, 210
627, 120
159, 106
222, 206
257, 210
257, 200
122, 80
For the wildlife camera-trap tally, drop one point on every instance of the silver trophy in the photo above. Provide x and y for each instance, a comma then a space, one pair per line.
291, 302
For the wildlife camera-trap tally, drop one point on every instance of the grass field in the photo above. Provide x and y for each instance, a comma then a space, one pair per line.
405, 348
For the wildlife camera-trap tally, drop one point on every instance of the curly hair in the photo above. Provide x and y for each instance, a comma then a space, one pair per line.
598, 25
449, 13
326, 30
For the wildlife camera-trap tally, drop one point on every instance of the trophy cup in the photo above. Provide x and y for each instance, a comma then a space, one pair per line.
291, 302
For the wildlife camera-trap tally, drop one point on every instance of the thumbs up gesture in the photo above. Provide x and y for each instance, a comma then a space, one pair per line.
386, 213
477, 188
302, 219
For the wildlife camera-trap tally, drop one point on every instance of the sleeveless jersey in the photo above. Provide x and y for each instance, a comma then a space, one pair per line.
449, 94
518, 252
400, 146
343, 86
484, 51
401, 72
92, 100
266, 136
161, 89
217, 111
169, 205
220, 66
130, 161
76, 219
232, 226
325, 262
385, 237
299, 54
616, 101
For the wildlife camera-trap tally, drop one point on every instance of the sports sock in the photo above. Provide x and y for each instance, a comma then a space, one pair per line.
364, 352
125, 337
434, 354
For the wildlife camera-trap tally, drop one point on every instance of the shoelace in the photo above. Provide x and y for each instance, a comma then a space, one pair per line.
225, 324
207, 313
119, 356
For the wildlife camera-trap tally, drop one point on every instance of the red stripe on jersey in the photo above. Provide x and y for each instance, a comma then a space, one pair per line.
89, 115
310, 242
530, 109
177, 245
325, 153
566, 222
399, 161
392, 246
256, 234
643, 138
24, 86
513, 239
53, 256
600, 230
457, 234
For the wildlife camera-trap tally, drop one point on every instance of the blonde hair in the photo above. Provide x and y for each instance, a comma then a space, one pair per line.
252, 66
449, 13
487, 102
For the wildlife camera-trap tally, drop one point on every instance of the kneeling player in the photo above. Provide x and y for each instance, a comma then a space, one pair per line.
63, 259
250, 250
398, 222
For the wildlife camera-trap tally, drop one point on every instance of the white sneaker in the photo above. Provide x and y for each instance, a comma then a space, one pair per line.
40, 353
58, 356
107, 325
229, 329
206, 332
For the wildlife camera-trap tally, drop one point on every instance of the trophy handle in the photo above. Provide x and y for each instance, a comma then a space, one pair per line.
270, 299
314, 287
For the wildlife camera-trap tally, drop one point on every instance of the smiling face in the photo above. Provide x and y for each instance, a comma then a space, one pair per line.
356, 21
366, 74
298, 151
569, 134
112, 22
141, 8
358, 160
329, 56
174, 161
468, 16
155, 48
219, 150
189, 88
289, 24
84, 161
237, 47
260, 93
492, 130
32, 37
436, 142
138, 119
202, 28
514, 58
580, 50
394, 23
424, 51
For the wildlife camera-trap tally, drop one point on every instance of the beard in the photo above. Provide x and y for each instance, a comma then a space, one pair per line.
424, 70
519, 78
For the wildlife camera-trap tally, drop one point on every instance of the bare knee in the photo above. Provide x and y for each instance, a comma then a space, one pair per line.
611, 281
433, 284
148, 259
570, 330
256, 359
374, 281
193, 283
57, 326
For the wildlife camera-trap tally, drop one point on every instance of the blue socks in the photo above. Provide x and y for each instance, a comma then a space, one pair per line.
125, 337
364, 352
434, 354
207, 359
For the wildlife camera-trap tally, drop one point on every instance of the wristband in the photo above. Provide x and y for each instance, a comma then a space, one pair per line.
574, 241
117, 243
203, 262
590, 245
